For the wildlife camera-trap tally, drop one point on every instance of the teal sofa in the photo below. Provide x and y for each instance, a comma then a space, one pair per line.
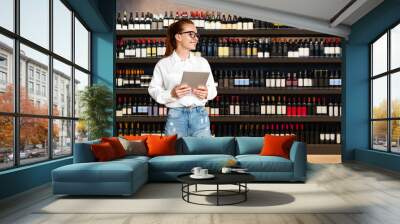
125, 176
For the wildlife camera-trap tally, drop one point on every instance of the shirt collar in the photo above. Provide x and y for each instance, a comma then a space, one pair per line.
176, 58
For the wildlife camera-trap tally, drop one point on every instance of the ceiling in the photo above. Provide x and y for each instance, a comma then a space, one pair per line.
333, 17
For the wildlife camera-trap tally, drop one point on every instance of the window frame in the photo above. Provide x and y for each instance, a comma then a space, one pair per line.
16, 114
388, 74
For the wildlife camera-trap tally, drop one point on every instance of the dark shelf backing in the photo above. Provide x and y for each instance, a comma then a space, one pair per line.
324, 149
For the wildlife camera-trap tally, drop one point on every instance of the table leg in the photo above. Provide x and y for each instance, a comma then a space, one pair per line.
182, 190
245, 193
196, 188
217, 194
188, 189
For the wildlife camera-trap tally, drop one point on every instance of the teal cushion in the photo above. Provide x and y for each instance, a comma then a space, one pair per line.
83, 152
133, 157
207, 145
249, 145
185, 163
111, 171
257, 163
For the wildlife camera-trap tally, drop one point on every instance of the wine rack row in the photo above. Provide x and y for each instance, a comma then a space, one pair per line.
250, 91
306, 132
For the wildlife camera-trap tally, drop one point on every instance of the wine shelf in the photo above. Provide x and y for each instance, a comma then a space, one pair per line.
238, 118
281, 62
240, 60
252, 90
324, 149
288, 32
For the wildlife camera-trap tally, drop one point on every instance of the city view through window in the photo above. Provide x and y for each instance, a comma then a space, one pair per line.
385, 94
46, 97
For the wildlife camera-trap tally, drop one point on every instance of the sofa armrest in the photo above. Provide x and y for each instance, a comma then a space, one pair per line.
83, 152
298, 155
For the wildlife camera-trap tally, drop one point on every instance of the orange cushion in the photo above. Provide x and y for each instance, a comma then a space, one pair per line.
103, 151
161, 145
135, 137
277, 145
116, 145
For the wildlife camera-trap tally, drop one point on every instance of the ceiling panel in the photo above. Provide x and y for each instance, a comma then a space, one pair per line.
320, 9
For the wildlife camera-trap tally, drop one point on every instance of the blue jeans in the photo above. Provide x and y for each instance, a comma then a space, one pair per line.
185, 121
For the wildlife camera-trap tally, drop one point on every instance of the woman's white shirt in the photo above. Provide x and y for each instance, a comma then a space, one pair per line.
168, 73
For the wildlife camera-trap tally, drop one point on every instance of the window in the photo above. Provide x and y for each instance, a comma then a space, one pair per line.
81, 45
39, 61
37, 74
30, 87
395, 47
46, 117
35, 21
3, 61
81, 81
6, 142
3, 78
3, 72
7, 14
37, 89
34, 145
44, 77
62, 75
44, 91
62, 29
385, 95
6, 73
62, 137
30, 72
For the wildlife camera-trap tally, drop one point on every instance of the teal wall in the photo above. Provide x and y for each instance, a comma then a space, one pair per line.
356, 85
24, 178
103, 51
99, 17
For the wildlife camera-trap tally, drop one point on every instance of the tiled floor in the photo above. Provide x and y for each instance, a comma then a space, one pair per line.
379, 189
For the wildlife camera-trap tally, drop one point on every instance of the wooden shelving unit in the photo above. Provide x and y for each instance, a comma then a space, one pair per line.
324, 149
283, 62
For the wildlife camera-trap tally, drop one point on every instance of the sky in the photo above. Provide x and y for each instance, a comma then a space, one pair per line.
379, 59
34, 27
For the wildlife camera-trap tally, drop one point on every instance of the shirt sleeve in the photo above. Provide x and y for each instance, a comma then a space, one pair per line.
157, 88
211, 87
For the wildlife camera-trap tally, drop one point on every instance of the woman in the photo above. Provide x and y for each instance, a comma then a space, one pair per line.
187, 115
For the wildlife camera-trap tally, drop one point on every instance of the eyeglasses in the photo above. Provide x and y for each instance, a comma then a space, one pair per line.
192, 34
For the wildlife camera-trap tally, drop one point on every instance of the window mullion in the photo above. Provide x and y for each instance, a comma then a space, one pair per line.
16, 84
389, 106
50, 81
371, 89
73, 81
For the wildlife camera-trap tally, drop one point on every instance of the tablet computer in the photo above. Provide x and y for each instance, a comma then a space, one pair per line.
195, 79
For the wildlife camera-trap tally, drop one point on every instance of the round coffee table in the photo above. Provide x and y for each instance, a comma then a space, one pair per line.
238, 179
